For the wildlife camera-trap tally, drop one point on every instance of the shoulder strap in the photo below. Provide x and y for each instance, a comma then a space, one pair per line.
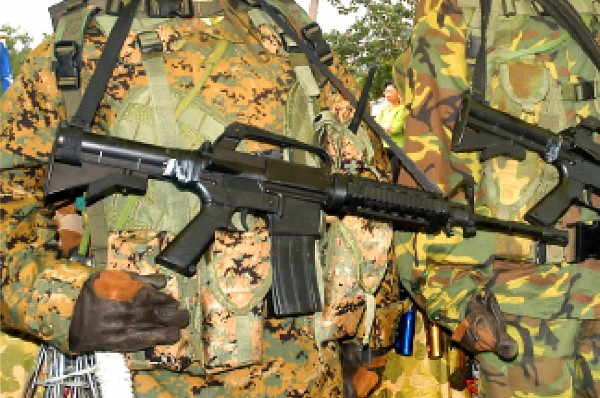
95, 90
480, 73
315, 55
70, 19
566, 15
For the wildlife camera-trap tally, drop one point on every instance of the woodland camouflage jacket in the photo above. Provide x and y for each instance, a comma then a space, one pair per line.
532, 65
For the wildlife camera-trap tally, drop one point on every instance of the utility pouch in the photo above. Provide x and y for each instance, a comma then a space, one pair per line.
232, 291
388, 310
355, 249
378, 280
355, 262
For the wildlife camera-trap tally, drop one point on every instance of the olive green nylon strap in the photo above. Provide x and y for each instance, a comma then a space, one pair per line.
162, 101
369, 317
211, 61
71, 28
166, 113
243, 332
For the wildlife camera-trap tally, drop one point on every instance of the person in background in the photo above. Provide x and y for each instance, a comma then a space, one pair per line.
391, 115
391, 118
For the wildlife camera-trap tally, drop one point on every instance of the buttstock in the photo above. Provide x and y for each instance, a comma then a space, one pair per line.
96, 180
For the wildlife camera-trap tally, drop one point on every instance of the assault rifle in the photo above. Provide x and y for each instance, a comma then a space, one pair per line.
289, 195
573, 152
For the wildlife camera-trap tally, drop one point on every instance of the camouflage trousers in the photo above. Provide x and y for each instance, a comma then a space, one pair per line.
557, 358
295, 373
17, 361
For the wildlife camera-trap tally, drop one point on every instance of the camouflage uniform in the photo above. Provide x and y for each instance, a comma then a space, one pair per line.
533, 70
208, 74
419, 374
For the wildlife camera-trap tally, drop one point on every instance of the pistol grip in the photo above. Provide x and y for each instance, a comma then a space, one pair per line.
548, 210
185, 250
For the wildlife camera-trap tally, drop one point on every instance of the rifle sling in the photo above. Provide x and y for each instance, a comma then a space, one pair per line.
93, 94
419, 177
570, 20
480, 72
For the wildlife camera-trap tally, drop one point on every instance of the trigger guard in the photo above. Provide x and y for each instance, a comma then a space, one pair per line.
244, 220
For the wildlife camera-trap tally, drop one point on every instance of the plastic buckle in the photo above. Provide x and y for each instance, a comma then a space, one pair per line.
313, 34
149, 42
67, 64
169, 8
473, 46
509, 8
113, 7
584, 91
584, 241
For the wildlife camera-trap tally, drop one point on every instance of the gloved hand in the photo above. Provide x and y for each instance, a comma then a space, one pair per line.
123, 311
484, 329
360, 376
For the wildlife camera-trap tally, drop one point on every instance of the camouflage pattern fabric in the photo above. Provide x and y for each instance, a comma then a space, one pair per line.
40, 289
531, 65
18, 361
18, 354
557, 358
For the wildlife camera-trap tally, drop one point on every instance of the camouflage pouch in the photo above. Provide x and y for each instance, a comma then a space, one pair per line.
232, 291
526, 89
388, 310
136, 251
355, 249
356, 253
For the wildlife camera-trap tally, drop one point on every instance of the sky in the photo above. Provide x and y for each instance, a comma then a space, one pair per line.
35, 19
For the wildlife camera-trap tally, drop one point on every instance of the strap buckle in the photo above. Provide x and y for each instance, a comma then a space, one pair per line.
149, 42
585, 91
313, 35
67, 64
169, 8
584, 241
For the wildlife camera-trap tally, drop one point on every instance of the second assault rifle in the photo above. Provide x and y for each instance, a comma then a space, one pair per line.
573, 152
289, 195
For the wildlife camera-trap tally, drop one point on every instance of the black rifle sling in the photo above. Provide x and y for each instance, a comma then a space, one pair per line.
95, 90
570, 20
419, 177
480, 73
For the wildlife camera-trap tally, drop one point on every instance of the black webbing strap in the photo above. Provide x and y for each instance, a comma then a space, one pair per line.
95, 89
419, 177
570, 20
480, 73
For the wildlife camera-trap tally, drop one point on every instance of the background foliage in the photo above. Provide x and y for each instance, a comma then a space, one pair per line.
18, 44
378, 36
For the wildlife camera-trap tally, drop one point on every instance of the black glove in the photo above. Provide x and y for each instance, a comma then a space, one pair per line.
123, 311
484, 329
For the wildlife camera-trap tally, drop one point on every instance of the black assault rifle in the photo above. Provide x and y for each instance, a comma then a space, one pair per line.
573, 152
289, 195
